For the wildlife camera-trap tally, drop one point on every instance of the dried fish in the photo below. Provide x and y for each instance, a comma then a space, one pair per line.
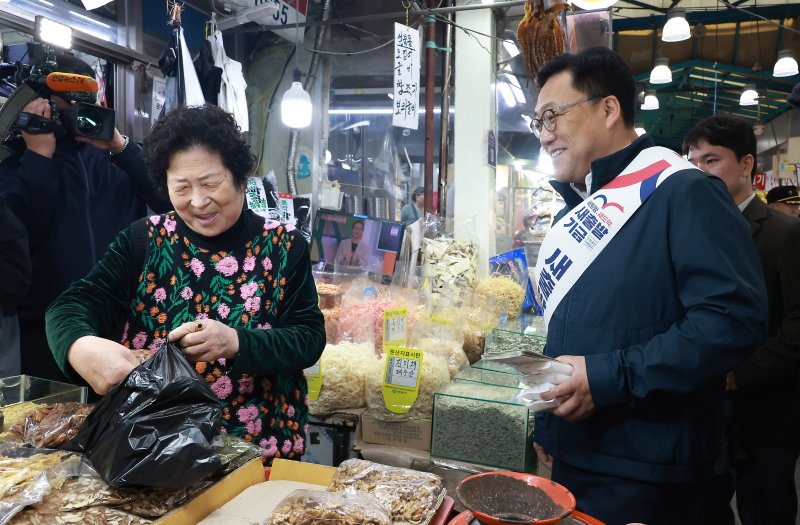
539, 34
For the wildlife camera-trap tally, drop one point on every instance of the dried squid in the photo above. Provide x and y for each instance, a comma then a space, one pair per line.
539, 34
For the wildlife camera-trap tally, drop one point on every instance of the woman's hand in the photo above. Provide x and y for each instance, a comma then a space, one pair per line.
101, 362
206, 340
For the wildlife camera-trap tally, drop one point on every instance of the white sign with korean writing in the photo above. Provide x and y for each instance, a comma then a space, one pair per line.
406, 77
578, 238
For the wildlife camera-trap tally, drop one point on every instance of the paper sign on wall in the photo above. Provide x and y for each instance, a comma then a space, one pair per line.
406, 77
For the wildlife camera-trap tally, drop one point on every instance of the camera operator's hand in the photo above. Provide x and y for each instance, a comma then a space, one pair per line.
45, 144
115, 145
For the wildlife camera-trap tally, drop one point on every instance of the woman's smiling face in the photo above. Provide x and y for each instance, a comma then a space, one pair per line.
203, 192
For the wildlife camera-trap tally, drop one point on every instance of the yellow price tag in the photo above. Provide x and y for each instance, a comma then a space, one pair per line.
314, 379
401, 378
395, 322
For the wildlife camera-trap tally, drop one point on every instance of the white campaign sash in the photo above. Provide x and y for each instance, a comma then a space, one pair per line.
578, 238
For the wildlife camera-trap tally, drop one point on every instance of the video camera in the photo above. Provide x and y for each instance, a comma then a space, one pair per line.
40, 78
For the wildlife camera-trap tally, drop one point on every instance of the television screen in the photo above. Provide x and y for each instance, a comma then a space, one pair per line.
346, 241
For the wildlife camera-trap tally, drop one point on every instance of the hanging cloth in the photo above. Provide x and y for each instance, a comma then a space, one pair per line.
180, 74
232, 96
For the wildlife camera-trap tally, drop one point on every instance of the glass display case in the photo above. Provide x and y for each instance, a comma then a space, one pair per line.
24, 388
488, 377
483, 424
526, 332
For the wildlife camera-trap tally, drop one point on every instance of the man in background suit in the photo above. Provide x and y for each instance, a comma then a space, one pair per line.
764, 435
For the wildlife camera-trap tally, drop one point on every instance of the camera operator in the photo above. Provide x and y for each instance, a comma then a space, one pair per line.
73, 194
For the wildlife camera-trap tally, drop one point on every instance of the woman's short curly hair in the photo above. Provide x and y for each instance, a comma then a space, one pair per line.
208, 127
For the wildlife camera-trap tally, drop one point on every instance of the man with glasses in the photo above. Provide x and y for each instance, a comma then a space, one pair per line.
652, 291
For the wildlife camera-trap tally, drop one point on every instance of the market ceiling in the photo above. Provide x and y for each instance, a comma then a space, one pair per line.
732, 45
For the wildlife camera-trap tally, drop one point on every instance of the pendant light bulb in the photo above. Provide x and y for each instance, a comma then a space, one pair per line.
749, 96
676, 28
661, 73
296, 107
786, 66
650, 100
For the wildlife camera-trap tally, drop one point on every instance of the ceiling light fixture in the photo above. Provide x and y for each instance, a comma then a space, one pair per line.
786, 66
661, 74
296, 107
640, 130
676, 28
749, 96
650, 100
593, 4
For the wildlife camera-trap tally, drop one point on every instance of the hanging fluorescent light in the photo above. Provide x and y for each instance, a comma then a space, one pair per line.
640, 130
650, 100
51, 32
661, 74
487, 1
676, 28
296, 107
749, 96
786, 66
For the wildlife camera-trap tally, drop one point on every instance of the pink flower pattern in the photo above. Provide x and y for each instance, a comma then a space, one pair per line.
227, 266
246, 385
248, 290
223, 310
139, 340
222, 387
266, 412
198, 267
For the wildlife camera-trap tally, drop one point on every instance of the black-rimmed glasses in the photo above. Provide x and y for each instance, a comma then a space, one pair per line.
550, 116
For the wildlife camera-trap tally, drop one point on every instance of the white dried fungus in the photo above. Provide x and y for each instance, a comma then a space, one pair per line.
344, 370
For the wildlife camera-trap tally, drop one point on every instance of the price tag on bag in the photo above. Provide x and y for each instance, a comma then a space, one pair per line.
395, 326
314, 379
401, 378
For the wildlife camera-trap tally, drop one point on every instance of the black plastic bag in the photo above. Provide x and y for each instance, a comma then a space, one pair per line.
156, 428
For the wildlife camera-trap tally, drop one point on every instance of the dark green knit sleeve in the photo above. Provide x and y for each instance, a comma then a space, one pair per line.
297, 341
92, 305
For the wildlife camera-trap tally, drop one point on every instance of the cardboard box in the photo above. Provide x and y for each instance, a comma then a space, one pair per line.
217, 495
414, 433
282, 473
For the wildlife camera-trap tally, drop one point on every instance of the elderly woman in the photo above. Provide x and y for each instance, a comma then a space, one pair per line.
233, 290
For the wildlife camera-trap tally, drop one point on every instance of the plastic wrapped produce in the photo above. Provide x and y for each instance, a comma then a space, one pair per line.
508, 295
412, 496
50, 426
316, 507
359, 322
452, 351
344, 370
433, 375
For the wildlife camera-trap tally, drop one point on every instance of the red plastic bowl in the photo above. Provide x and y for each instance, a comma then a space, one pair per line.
475, 491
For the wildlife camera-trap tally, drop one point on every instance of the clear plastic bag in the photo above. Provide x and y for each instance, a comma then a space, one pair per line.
433, 375
412, 496
344, 372
314, 507
449, 264
438, 335
52, 425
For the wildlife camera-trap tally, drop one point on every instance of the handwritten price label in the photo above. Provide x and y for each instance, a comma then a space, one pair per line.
401, 378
